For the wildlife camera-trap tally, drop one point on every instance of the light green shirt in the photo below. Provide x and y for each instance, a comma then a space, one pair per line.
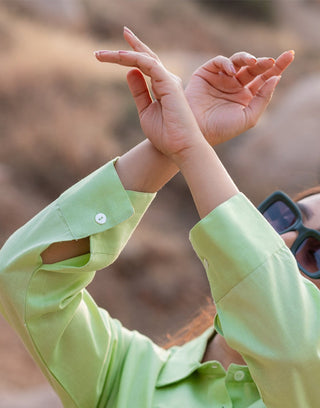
266, 310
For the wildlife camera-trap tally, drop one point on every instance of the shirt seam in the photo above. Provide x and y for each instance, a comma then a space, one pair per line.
34, 343
100, 253
253, 271
64, 220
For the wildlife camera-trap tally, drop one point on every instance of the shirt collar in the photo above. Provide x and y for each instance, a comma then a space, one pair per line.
184, 360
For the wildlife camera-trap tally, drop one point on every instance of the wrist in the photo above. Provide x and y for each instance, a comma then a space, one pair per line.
208, 180
144, 168
192, 153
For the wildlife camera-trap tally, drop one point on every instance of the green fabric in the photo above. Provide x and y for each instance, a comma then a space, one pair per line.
266, 310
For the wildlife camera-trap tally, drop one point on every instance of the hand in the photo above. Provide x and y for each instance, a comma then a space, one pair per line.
167, 121
228, 95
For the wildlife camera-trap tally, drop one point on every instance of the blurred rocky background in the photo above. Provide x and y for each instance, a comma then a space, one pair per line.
62, 114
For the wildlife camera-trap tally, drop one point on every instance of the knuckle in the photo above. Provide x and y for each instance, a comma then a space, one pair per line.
145, 54
153, 63
219, 59
153, 55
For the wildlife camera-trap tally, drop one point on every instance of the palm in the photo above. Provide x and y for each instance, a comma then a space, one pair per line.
219, 105
229, 99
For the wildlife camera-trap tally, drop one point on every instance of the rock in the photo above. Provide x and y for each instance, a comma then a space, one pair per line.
39, 397
69, 12
283, 152
303, 20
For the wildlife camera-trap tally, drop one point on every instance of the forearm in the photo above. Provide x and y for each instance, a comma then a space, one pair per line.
145, 169
208, 180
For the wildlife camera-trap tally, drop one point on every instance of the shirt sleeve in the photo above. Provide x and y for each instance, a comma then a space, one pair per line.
77, 345
266, 310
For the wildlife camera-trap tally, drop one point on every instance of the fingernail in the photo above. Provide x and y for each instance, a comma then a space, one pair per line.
272, 59
104, 52
253, 60
96, 53
292, 52
128, 31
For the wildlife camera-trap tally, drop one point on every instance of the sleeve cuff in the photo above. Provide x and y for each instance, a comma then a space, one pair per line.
99, 202
232, 241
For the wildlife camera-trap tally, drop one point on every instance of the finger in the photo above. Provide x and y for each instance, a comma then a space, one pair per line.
219, 64
242, 58
281, 64
139, 89
261, 100
148, 65
136, 43
249, 73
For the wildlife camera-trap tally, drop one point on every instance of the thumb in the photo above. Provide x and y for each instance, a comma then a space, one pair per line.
262, 98
139, 89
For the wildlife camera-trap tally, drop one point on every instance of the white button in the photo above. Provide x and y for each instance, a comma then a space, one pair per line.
101, 218
205, 263
239, 375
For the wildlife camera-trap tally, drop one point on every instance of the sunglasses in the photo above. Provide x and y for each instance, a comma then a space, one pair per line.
285, 215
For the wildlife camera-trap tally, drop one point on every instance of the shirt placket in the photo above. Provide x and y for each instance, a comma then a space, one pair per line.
239, 383
218, 396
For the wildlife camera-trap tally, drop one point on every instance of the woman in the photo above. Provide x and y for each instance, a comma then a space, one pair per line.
266, 327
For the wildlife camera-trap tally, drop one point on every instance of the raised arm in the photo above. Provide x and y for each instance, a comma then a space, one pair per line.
226, 95
170, 125
261, 298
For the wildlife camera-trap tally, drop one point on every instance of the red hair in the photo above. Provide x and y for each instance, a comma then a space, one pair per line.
200, 322
306, 193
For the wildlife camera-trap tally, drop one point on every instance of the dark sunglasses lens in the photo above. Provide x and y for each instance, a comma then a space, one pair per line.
308, 255
280, 216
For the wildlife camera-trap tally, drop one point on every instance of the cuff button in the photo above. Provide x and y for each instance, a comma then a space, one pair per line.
239, 375
100, 218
